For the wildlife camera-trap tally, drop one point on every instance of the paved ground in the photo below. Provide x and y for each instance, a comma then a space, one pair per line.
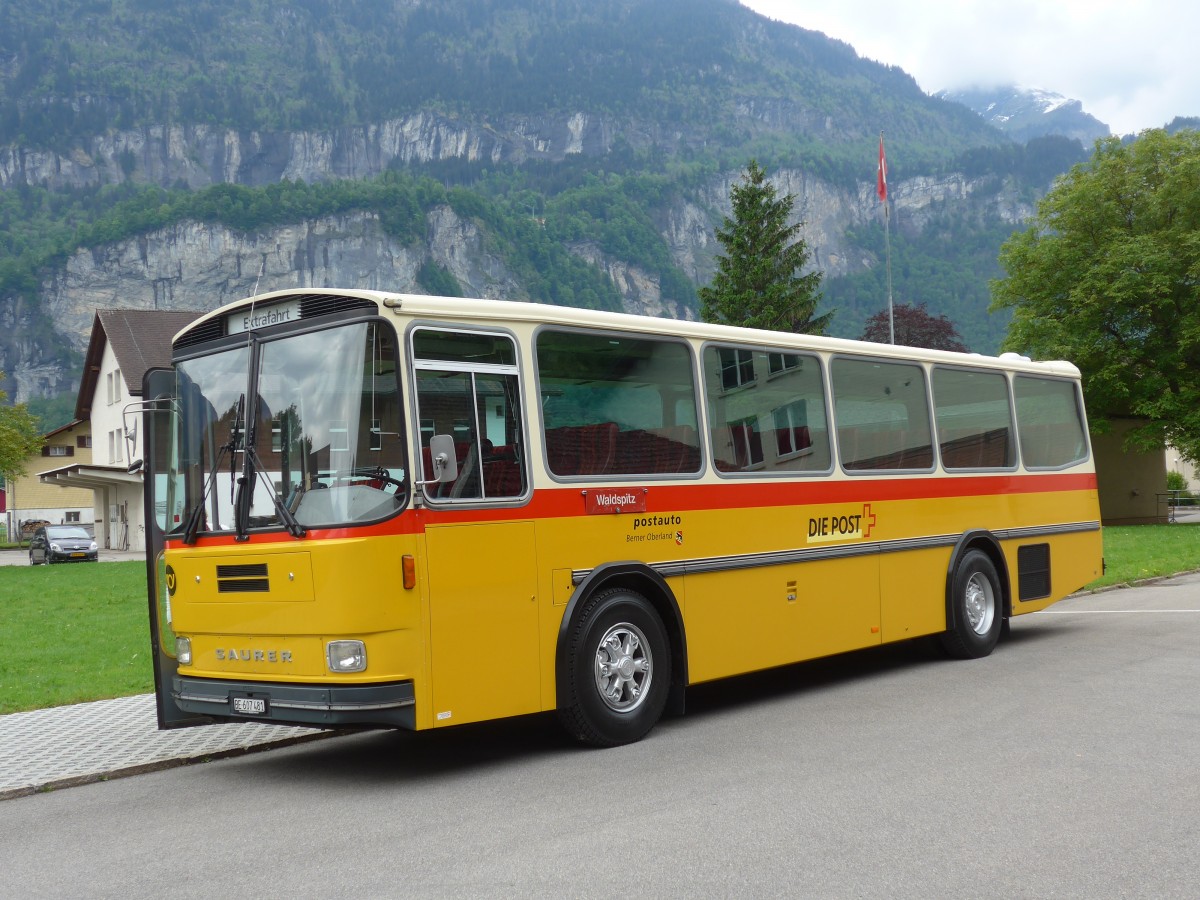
21, 557
68, 745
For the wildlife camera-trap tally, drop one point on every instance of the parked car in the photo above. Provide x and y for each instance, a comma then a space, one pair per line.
62, 543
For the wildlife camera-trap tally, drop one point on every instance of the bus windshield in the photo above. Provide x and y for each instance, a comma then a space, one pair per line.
299, 431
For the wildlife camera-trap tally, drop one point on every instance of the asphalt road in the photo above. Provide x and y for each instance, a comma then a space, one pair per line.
1064, 765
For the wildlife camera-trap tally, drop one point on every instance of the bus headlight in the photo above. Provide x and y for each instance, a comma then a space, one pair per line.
183, 651
346, 656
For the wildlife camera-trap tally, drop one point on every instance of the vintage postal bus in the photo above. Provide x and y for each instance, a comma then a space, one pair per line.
408, 511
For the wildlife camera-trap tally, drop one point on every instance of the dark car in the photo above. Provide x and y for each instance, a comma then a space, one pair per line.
62, 543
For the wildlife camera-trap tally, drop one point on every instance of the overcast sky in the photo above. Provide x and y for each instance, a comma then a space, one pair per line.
1132, 63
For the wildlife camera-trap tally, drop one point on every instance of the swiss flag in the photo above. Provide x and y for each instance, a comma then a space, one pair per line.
881, 181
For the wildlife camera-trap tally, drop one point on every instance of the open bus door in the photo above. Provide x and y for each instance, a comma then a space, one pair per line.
158, 412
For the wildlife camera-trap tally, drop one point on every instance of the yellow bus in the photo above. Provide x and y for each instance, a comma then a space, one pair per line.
374, 509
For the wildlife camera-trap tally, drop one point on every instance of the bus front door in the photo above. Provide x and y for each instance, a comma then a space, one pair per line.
483, 621
157, 424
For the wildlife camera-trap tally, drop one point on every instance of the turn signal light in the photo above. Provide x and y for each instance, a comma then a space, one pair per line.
410, 571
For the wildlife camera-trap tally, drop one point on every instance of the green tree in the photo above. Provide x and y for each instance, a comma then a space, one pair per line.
19, 437
1109, 278
758, 282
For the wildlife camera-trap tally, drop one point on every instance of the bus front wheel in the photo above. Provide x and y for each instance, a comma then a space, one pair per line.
618, 670
976, 605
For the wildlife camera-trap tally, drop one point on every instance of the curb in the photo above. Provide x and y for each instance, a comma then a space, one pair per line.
160, 765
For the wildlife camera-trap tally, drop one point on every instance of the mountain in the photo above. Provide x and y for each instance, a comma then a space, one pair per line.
1025, 113
172, 154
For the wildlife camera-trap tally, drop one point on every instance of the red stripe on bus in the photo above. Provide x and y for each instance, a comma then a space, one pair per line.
568, 501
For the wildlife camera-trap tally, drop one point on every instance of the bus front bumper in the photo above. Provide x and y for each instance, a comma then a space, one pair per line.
390, 705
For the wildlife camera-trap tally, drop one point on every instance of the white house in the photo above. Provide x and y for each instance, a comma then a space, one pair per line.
1176, 463
124, 344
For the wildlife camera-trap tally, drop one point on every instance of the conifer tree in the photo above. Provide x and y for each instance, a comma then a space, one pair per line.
758, 283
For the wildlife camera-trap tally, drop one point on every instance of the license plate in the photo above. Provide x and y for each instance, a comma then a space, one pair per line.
250, 706
78, 555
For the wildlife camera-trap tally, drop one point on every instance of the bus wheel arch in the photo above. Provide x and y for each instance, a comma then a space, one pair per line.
978, 597
611, 595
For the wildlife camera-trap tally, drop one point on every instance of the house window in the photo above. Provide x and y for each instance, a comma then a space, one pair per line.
737, 368
60, 450
782, 362
339, 435
72, 516
117, 386
791, 428
108, 380
747, 443
84, 442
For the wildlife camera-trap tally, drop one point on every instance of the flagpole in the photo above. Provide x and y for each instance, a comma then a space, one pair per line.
881, 189
887, 243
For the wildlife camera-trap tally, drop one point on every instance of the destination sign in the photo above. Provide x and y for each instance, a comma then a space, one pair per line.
255, 317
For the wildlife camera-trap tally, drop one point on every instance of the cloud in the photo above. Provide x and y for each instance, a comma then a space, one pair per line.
1129, 63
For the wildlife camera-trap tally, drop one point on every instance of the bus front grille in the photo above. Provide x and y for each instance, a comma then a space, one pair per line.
251, 578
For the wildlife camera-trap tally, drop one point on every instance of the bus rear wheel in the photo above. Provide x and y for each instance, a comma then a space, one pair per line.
976, 605
618, 670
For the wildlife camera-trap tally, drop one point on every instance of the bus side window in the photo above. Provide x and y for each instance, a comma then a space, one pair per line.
468, 387
1049, 422
882, 412
766, 411
974, 419
614, 404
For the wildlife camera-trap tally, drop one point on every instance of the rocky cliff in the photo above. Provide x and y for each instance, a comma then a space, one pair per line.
201, 266
200, 155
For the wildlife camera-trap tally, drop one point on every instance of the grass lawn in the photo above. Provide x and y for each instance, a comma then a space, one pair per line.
79, 632
1134, 553
74, 632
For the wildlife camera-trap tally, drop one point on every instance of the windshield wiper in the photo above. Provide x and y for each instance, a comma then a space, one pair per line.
196, 514
252, 470
294, 528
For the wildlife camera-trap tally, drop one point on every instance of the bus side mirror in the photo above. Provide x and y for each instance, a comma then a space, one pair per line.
445, 461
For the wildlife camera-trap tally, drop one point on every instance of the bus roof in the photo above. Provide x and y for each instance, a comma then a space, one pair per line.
422, 305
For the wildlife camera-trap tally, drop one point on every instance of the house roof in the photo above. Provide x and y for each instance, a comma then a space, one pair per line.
70, 426
140, 339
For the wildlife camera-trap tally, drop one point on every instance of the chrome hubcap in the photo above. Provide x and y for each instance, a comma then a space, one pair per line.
624, 667
980, 604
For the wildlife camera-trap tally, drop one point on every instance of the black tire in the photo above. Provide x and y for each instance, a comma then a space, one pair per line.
977, 604
618, 670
